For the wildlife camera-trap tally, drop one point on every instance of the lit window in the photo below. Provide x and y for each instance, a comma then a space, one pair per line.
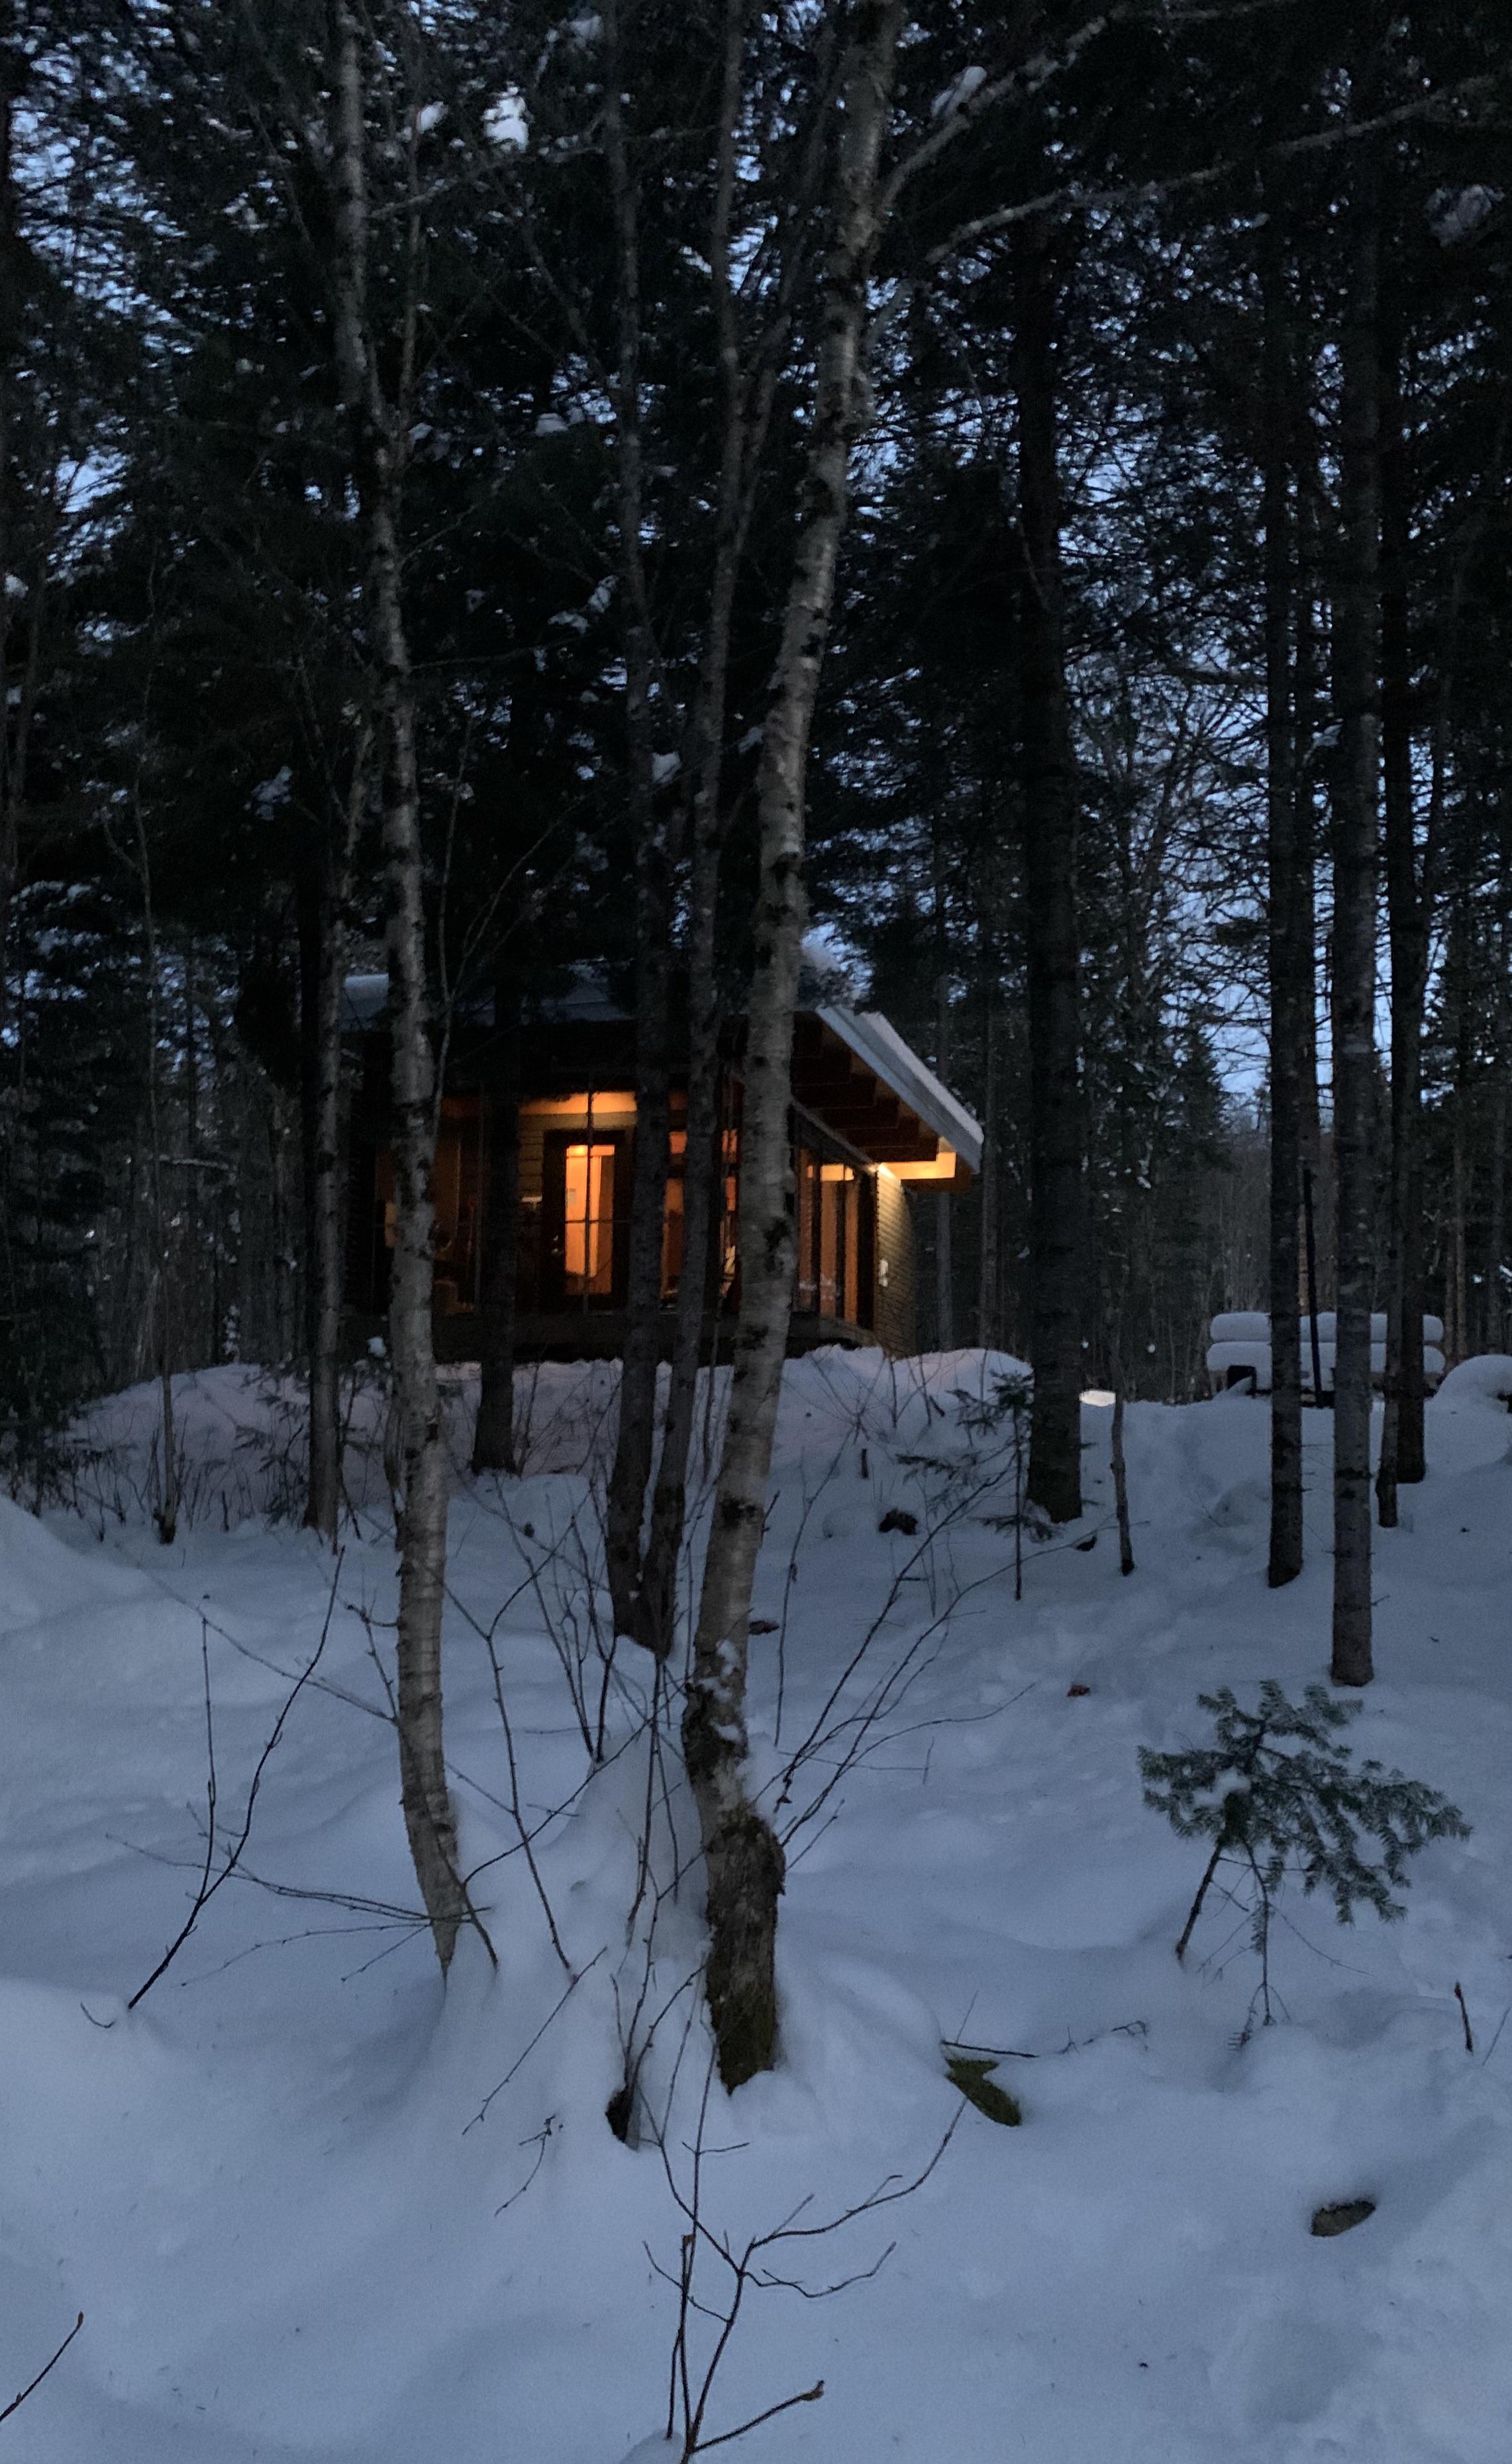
589, 1211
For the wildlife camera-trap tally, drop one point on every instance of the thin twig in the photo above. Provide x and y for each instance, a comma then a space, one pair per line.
17, 2401
208, 1885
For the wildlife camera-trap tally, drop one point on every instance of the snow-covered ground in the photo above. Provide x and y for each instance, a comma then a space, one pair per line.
313, 2208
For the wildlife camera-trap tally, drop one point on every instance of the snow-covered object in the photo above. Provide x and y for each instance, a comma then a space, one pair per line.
957, 94
1329, 1327
1432, 1329
1454, 213
1328, 1353
1226, 1357
1486, 1377
506, 124
1241, 1325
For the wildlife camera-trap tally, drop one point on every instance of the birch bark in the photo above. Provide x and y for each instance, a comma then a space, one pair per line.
743, 421
380, 429
742, 1856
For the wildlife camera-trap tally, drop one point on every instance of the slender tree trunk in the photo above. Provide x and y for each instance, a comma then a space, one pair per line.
323, 1160
1312, 709
1051, 926
635, 1440
324, 1265
309, 901
11, 782
166, 1515
1402, 1451
987, 1196
742, 1856
1126, 1537
1290, 957
380, 429
493, 1431
1357, 699
1459, 971
944, 1275
1495, 1286
703, 1169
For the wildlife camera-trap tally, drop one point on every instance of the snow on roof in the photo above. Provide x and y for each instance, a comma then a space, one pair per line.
363, 1000
868, 1036
584, 1001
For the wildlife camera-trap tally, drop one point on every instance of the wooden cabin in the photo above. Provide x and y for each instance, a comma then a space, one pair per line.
870, 1122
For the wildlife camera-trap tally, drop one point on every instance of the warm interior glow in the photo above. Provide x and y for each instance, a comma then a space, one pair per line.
942, 1167
589, 1210
576, 1108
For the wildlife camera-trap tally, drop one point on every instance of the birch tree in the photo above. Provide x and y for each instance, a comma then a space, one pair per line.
743, 1861
378, 410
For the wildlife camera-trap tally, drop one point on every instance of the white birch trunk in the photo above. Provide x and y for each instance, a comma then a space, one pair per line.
428, 1817
742, 1856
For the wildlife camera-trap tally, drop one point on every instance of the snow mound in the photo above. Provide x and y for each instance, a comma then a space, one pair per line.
41, 1578
1486, 1378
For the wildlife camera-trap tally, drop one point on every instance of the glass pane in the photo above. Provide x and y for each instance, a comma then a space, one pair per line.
673, 1242
833, 1211
588, 1255
807, 1196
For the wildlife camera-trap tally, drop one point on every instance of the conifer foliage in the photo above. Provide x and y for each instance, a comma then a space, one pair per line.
1281, 1798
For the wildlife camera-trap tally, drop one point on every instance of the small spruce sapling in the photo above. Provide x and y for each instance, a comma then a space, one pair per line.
981, 1417
1275, 1790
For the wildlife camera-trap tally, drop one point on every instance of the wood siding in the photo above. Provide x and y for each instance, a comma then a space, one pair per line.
896, 1316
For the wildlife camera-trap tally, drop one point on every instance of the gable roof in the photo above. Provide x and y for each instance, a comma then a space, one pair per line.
586, 1000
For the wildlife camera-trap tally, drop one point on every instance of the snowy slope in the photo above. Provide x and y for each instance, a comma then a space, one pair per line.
314, 2210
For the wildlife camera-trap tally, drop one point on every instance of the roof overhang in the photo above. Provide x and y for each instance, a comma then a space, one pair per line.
882, 1051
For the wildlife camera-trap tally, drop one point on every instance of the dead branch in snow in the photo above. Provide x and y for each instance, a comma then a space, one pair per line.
741, 2267
212, 1878
17, 2401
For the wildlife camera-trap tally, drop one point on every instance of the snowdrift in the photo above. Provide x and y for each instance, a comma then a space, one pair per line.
315, 2209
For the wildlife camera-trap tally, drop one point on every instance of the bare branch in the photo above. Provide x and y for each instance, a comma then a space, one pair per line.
17, 2401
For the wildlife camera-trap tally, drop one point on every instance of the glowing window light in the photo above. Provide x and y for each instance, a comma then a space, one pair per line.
589, 1210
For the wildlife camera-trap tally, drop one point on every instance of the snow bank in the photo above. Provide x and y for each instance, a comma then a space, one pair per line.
43, 1577
315, 2209
1486, 1377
